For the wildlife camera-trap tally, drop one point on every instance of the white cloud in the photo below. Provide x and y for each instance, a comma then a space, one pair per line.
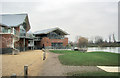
59, 0
76, 17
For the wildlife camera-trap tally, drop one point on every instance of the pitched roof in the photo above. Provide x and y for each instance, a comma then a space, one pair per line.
13, 20
46, 31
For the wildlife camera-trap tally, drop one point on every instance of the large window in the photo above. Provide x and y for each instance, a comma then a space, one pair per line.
22, 31
9, 30
57, 45
54, 35
5, 30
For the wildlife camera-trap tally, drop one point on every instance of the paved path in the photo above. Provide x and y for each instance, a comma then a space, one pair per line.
53, 67
110, 68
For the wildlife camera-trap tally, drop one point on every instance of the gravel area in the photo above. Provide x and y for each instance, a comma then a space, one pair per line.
15, 63
0, 66
53, 67
37, 66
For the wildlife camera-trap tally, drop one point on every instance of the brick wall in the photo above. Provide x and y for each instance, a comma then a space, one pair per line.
6, 39
65, 42
20, 43
47, 42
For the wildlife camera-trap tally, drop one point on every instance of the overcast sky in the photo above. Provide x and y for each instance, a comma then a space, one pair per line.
88, 18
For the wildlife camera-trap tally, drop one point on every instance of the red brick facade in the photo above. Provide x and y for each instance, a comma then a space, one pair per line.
6, 39
20, 43
47, 42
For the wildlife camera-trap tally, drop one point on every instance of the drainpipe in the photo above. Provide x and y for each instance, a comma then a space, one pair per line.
24, 44
33, 44
13, 42
13, 38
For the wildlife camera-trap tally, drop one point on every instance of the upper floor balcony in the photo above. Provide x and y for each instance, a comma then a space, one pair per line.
37, 38
22, 35
54, 35
26, 35
16, 32
9, 31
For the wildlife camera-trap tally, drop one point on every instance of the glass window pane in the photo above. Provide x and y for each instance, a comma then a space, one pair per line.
9, 30
4, 30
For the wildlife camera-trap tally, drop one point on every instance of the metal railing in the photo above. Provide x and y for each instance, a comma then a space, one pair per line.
22, 34
26, 35
16, 33
30, 44
37, 38
29, 35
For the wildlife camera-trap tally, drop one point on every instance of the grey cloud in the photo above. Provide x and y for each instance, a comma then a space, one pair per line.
77, 18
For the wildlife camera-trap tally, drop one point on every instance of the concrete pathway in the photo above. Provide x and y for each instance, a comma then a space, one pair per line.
53, 67
110, 68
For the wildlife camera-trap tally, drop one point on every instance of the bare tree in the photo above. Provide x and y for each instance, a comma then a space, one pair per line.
98, 39
77, 38
82, 42
71, 43
90, 42
114, 38
109, 38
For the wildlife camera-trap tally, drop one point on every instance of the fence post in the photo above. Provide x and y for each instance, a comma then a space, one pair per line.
13, 75
25, 71
44, 55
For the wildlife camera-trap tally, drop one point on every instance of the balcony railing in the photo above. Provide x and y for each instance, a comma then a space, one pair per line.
29, 35
11, 31
30, 45
16, 33
26, 35
22, 34
37, 38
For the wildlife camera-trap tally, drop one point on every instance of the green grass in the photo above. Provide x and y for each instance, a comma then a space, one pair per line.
62, 51
102, 73
77, 58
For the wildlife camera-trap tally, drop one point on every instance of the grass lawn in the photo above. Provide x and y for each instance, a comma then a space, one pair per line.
77, 58
62, 51
102, 73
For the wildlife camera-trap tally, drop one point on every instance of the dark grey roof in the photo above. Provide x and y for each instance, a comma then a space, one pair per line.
12, 19
46, 31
